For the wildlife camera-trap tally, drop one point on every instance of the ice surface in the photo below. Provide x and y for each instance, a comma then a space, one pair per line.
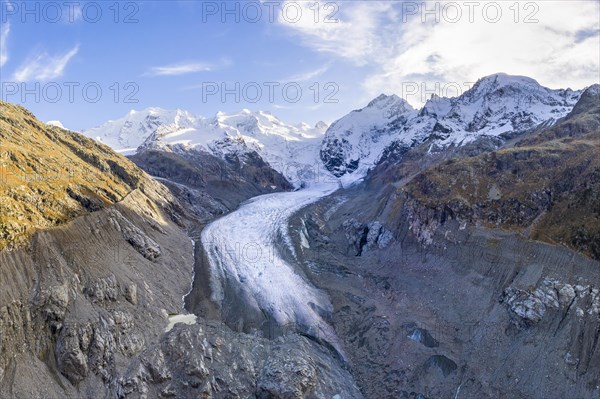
242, 248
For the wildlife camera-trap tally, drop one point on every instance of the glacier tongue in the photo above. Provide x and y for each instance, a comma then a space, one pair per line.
242, 252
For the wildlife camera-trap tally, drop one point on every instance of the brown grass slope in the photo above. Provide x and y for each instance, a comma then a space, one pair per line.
49, 175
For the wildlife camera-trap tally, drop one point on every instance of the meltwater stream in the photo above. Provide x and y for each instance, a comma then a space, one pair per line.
241, 249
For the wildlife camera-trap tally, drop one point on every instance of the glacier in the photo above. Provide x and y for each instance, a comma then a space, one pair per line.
242, 248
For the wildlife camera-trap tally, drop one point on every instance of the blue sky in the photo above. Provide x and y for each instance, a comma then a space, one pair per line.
182, 54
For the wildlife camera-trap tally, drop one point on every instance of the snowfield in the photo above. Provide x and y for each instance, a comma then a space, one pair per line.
242, 251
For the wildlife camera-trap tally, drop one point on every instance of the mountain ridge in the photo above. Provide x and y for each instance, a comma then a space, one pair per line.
498, 106
290, 149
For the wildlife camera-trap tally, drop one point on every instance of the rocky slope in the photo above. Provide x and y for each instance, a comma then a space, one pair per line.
49, 175
475, 313
546, 187
102, 260
438, 289
226, 181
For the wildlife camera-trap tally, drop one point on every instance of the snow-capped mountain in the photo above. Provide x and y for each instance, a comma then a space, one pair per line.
292, 150
496, 105
126, 134
357, 140
55, 123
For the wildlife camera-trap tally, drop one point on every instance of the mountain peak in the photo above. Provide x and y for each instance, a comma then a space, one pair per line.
501, 83
593, 89
504, 79
496, 105
320, 125
384, 100
55, 123
239, 132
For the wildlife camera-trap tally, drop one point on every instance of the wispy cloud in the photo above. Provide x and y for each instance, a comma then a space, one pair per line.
3, 45
279, 106
307, 76
44, 67
352, 30
186, 68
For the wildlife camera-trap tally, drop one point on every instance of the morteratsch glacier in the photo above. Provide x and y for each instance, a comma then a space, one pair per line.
242, 246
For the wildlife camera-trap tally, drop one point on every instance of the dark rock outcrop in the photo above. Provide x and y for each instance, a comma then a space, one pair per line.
366, 237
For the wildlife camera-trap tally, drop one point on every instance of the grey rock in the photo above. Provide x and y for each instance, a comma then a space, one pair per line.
378, 237
566, 294
142, 243
375, 229
131, 294
290, 374
443, 363
356, 235
71, 360
363, 237
524, 305
54, 302
127, 339
385, 239
103, 289
423, 336
102, 351
155, 363
147, 247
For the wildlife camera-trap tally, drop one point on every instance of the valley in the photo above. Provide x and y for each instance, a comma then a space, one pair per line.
445, 252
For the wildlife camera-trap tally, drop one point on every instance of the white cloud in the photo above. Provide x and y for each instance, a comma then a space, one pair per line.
185, 68
307, 76
350, 30
180, 69
44, 67
4, 30
561, 50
